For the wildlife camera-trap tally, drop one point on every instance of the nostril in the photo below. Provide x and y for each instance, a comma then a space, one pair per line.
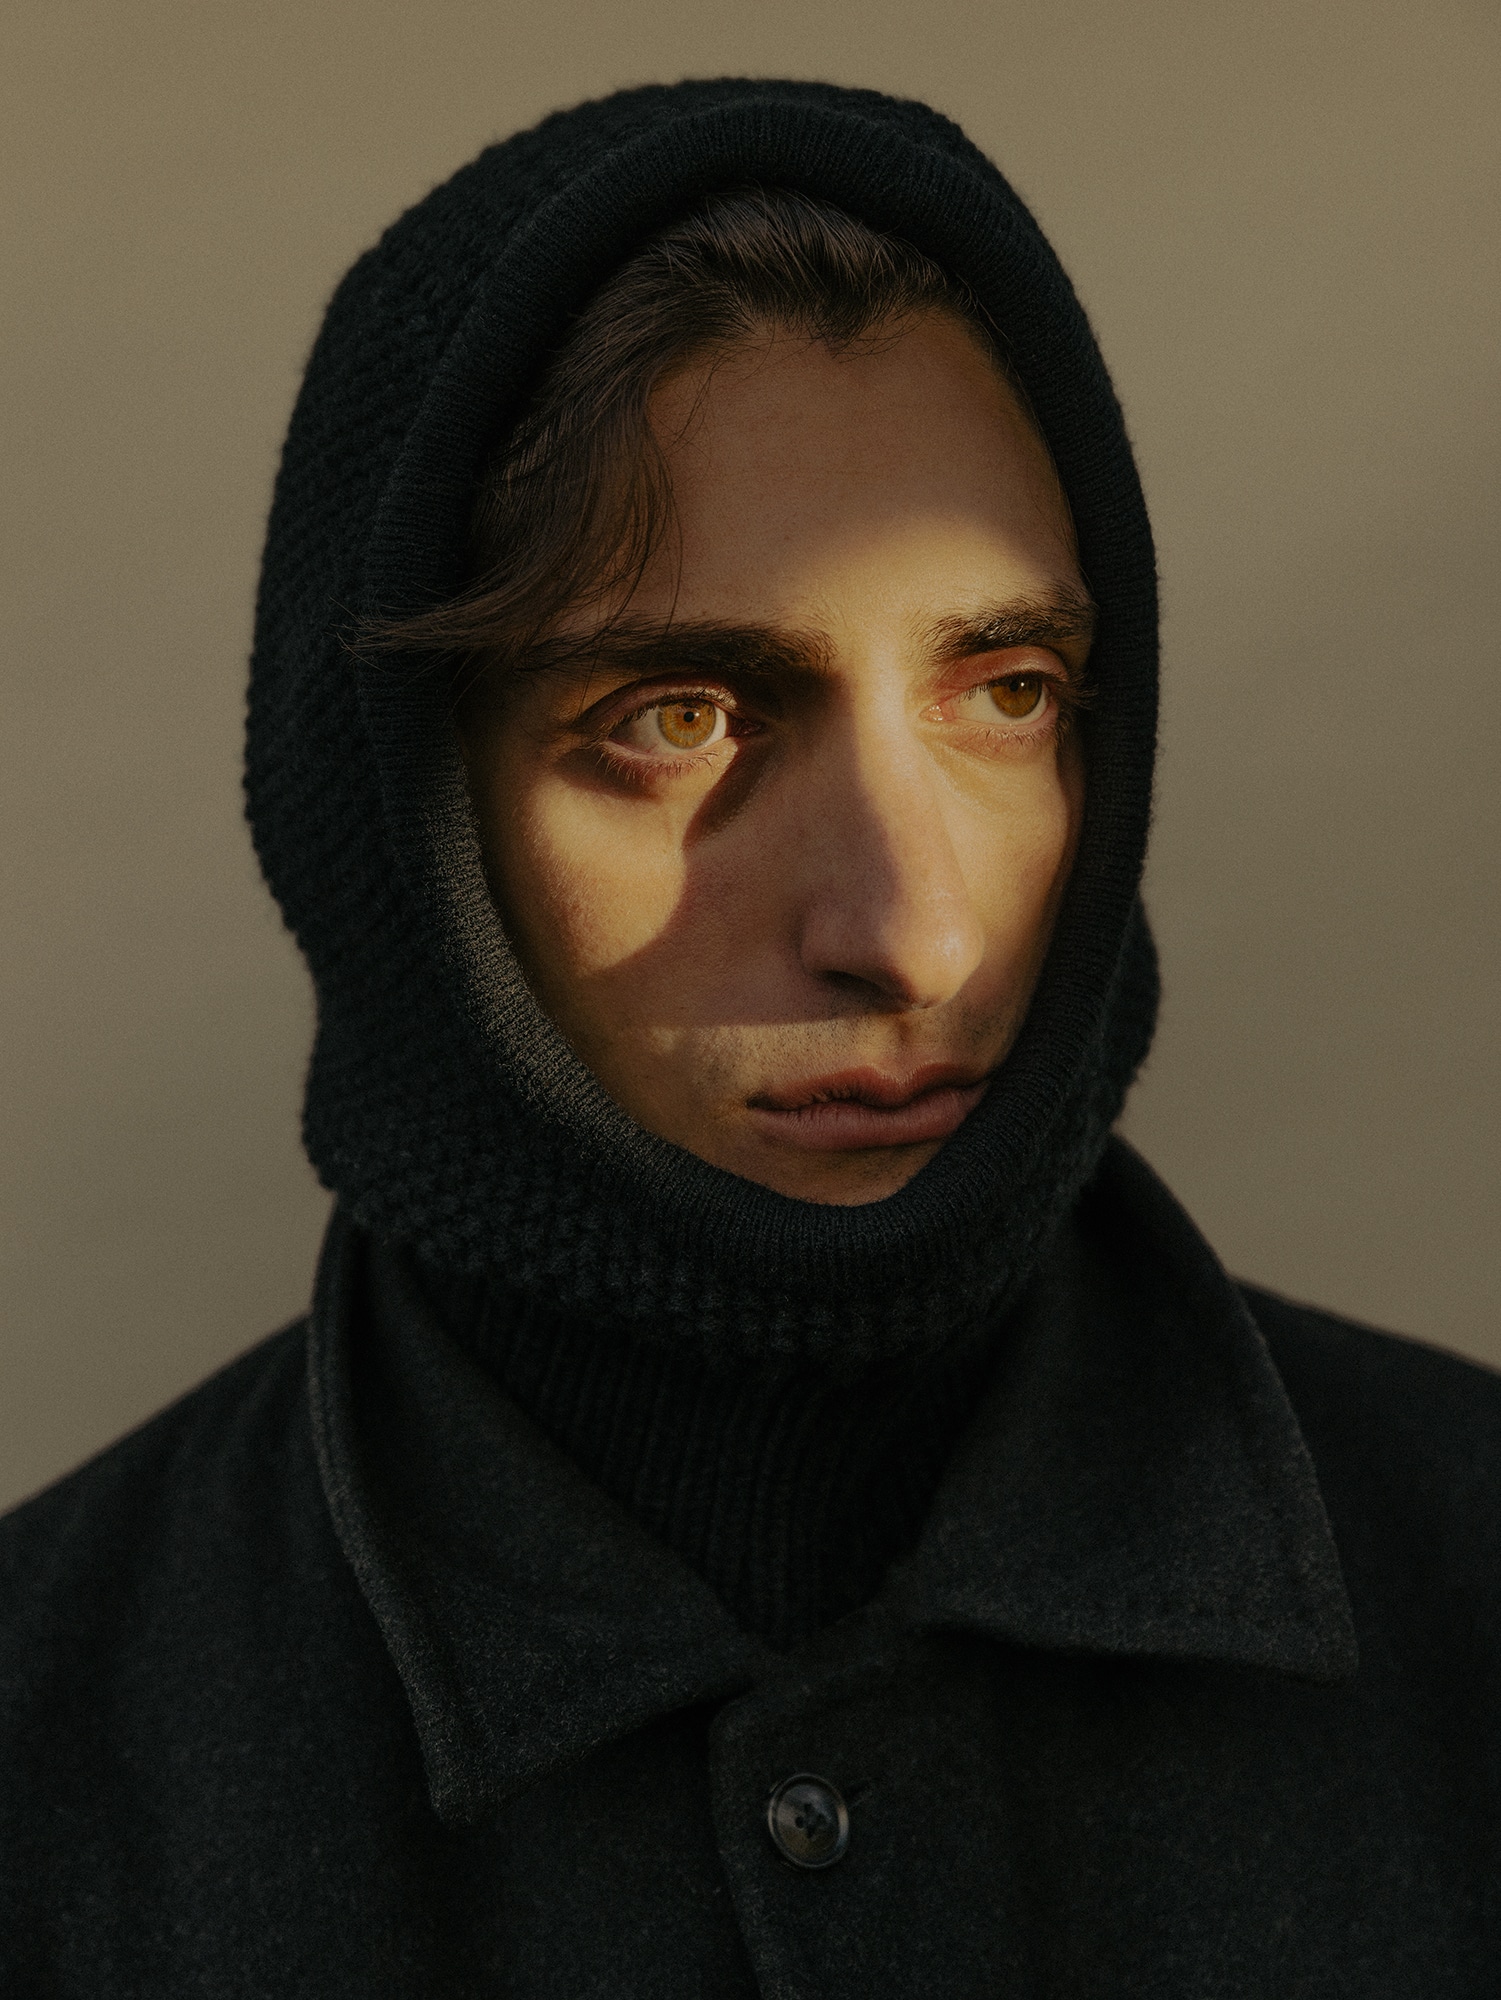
911, 958
857, 987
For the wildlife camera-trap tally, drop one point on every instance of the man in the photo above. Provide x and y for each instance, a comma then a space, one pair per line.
770, 1498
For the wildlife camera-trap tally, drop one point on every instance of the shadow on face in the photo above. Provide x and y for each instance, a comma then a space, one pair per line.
781, 851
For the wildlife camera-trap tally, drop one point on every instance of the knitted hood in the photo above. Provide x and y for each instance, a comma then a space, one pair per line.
443, 1107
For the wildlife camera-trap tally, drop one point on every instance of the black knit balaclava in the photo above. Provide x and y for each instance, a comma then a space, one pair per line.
443, 1107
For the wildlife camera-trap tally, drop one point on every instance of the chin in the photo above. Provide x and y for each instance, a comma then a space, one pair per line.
851, 1180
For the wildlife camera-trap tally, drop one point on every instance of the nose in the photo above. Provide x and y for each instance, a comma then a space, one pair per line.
885, 903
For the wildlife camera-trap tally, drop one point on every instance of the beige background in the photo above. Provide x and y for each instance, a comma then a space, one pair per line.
1282, 218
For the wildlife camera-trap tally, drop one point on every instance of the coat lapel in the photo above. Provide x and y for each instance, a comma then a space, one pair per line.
1136, 1482
528, 1616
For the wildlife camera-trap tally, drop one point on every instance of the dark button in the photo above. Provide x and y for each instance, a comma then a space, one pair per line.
808, 1821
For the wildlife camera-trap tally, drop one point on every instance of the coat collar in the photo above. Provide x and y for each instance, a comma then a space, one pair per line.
528, 1616
1134, 1483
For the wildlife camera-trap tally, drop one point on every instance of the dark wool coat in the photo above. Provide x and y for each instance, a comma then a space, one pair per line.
338, 1680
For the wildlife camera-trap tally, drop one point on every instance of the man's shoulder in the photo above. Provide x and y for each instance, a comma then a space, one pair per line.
190, 1688
1427, 1394
146, 1521
1404, 1436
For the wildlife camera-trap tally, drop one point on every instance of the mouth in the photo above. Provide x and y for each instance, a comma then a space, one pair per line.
861, 1108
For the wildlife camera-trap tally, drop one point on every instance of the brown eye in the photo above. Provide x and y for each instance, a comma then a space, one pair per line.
1020, 696
687, 725
692, 722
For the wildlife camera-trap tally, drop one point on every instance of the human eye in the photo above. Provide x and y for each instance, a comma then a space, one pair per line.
673, 728
1018, 700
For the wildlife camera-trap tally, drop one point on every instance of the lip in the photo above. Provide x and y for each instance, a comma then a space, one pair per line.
861, 1108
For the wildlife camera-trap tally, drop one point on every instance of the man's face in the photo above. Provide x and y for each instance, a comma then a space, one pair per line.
785, 877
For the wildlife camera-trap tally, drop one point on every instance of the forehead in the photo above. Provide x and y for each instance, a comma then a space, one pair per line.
904, 467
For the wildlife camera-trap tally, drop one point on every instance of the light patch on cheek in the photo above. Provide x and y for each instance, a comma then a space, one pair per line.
600, 895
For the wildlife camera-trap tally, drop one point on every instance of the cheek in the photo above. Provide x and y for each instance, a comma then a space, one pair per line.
1018, 858
583, 885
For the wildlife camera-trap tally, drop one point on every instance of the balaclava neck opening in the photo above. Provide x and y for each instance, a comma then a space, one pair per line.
443, 1106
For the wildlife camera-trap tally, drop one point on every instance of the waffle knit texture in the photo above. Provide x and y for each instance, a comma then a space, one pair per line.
443, 1107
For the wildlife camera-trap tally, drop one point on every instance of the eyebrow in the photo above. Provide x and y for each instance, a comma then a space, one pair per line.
768, 653
1053, 620
703, 646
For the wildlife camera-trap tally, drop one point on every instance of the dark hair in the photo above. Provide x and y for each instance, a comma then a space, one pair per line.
573, 501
